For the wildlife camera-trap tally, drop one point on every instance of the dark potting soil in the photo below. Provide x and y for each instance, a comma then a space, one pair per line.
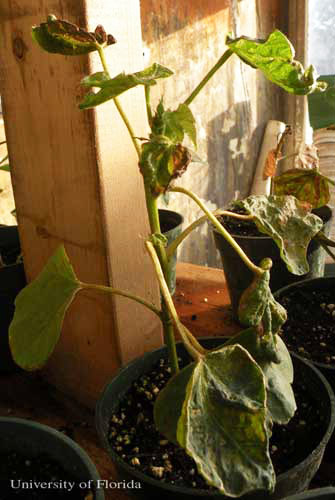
310, 327
134, 438
238, 227
38, 478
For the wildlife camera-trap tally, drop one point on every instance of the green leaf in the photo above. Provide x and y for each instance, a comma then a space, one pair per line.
39, 312
169, 404
5, 168
224, 425
180, 122
321, 106
275, 58
288, 222
112, 87
307, 185
278, 375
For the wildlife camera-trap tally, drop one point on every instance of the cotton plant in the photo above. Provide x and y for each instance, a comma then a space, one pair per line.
221, 407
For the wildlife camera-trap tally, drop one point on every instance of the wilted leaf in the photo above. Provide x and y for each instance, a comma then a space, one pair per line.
270, 165
275, 58
308, 185
39, 312
278, 376
112, 87
255, 298
223, 424
160, 163
288, 222
61, 37
180, 122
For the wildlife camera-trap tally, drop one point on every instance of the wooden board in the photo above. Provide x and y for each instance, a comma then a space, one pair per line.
76, 180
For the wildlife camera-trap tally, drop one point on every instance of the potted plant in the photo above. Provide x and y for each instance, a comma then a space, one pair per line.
220, 407
258, 239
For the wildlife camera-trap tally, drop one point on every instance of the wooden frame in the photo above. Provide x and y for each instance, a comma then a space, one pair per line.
76, 180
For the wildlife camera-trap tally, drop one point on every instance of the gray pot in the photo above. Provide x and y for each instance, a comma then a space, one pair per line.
34, 439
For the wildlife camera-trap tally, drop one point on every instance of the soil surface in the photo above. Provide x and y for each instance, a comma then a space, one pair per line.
133, 435
239, 227
38, 478
310, 327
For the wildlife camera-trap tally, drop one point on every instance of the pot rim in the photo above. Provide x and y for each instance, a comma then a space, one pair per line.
301, 283
50, 431
200, 492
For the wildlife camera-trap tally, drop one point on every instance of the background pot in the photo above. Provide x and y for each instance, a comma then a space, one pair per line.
238, 276
171, 226
295, 480
34, 439
317, 284
319, 494
12, 280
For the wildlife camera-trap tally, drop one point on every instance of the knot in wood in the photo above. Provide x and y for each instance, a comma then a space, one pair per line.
19, 47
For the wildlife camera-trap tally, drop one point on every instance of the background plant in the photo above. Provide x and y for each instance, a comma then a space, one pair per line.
209, 397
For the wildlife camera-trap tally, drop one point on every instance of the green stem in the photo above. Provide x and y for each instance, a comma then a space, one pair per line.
209, 75
118, 105
147, 103
155, 228
116, 291
193, 351
327, 249
255, 269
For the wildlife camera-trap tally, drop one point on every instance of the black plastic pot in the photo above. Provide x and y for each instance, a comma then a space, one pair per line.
34, 439
319, 494
12, 280
238, 275
295, 480
171, 225
319, 284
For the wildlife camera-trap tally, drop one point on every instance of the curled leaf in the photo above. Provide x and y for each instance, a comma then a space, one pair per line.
270, 165
288, 222
62, 37
275, 58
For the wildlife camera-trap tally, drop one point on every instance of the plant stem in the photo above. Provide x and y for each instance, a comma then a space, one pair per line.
117, 291
147, 103
169, 339
209, 75
196, 355
118, 105
255, 269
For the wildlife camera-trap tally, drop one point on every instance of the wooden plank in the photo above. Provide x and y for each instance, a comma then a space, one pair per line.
76, 180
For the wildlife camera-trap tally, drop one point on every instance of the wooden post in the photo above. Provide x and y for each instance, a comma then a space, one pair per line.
76, 180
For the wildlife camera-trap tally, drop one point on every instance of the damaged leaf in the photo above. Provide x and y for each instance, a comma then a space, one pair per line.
62, 37
288, 222
222, 423
308, 185
278, 375
275, 58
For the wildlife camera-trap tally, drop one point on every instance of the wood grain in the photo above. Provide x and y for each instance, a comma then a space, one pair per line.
76, 180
